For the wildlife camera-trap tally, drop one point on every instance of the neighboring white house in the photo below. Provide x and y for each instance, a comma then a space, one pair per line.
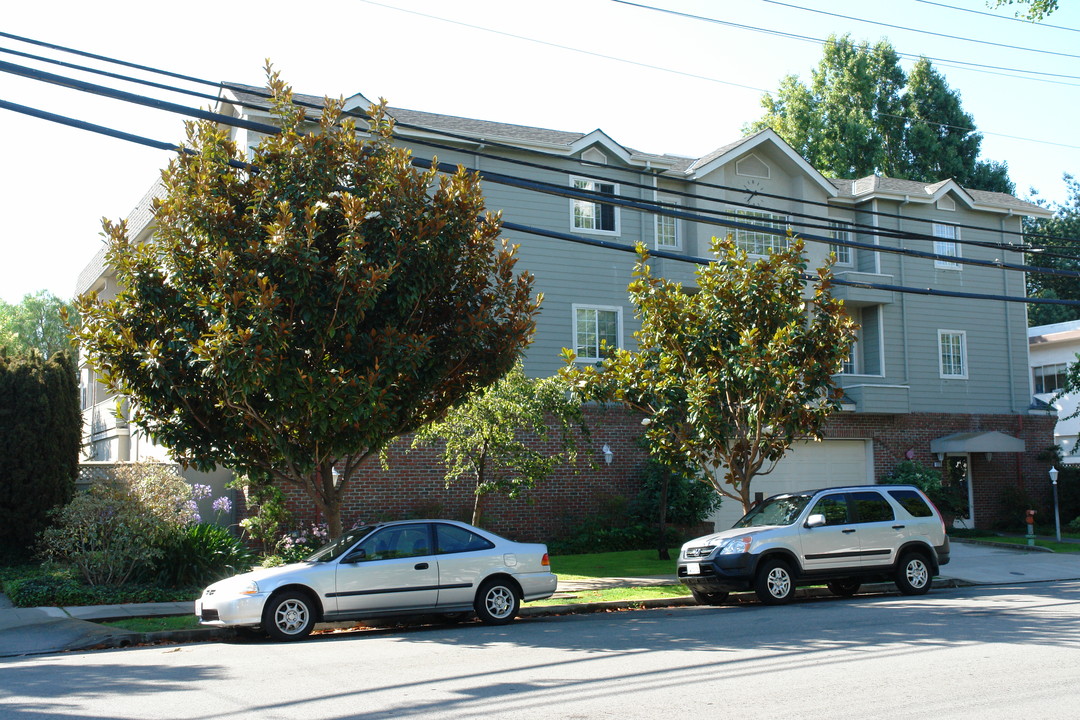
1051, 350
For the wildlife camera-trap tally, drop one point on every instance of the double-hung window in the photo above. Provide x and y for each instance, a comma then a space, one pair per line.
596, 327
594, 217
952, 354
1049, 378
946, 244
843, 253
667, 233
760, 242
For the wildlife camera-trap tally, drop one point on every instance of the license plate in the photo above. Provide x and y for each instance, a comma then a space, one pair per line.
693, 568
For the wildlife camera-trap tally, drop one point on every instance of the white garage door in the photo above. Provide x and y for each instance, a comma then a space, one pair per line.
807, 466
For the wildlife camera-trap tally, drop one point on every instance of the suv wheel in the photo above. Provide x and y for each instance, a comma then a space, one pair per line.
913, 574
774, 583
709, 598
845, 587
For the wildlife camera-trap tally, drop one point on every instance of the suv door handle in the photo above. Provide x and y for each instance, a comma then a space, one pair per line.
420, 566
849, 530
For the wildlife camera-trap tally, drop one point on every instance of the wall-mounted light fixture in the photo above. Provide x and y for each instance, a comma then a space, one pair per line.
608, 455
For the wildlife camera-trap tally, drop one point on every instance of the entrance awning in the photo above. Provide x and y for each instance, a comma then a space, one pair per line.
973, 442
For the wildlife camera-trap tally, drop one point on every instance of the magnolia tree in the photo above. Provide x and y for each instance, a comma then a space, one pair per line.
508, 437
730, 374
294, 315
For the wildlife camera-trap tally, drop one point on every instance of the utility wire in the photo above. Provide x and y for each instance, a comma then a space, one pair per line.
794, 36
527, 229
47, 77
999, 17
917, 30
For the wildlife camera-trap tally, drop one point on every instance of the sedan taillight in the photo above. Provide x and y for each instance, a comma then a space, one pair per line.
545, 561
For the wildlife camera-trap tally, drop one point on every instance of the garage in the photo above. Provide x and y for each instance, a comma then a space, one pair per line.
807, 466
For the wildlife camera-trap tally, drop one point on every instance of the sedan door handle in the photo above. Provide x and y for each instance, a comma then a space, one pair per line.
898, 527
849, 530
420, 566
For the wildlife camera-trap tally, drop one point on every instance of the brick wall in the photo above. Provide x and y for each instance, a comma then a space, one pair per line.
895, 435
414, 486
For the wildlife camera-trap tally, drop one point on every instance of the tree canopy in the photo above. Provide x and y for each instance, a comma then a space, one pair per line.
508, 437
1062, 243
861, 114
38, 322
1034, 10
730, 375
291, 317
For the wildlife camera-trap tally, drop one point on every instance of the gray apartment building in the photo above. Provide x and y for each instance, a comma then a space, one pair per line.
938, 379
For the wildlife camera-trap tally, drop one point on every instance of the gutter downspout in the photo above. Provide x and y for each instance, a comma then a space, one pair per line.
903, 296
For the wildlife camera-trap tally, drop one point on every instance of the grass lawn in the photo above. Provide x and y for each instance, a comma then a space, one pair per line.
616, 595
1063, 547
629, 563
155, 624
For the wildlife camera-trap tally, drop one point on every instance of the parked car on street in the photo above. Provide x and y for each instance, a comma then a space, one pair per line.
395, 568
841, 537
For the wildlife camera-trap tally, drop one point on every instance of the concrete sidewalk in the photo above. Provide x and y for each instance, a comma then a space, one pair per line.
35, 631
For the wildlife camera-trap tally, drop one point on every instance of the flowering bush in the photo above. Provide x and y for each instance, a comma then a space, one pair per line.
298, 544
135, 527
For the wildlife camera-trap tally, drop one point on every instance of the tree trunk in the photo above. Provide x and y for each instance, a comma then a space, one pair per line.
479, 483
332, 499
661, 540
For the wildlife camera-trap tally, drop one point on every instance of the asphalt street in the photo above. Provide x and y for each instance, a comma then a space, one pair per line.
977, 652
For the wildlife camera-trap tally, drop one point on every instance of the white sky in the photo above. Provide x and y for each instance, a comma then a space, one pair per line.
57, 182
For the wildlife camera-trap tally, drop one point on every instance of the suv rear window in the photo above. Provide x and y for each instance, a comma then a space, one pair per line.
871, 507
912, 502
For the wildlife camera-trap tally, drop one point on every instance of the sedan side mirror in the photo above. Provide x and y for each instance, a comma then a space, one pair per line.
816, 520
355, 556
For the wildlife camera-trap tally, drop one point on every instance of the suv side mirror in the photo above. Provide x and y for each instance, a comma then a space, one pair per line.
816, 520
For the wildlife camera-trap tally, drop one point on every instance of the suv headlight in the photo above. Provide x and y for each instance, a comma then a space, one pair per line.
736, 545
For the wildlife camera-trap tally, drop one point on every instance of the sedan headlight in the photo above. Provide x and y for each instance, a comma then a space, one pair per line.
235, 587
736, 545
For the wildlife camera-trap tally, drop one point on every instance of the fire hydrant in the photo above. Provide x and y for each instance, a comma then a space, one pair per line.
1030, 520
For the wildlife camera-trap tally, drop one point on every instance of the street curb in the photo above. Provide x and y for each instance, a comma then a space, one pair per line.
216, 634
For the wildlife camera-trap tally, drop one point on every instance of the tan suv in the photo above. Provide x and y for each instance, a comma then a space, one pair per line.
841, 537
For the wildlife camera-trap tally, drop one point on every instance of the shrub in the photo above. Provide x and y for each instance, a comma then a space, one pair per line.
296, 545
40, 432
267, 514
689, 501
950, 501
103, 533
198, 555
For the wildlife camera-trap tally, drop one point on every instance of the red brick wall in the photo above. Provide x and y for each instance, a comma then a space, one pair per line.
414, 486
894, 435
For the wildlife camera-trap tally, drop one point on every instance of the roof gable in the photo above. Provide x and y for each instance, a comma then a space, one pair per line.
768, 137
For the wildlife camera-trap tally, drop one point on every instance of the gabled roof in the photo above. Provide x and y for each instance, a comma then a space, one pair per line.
877, 186
418, 123
768, 136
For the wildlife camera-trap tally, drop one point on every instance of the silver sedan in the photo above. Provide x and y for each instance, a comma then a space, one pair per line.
396, 568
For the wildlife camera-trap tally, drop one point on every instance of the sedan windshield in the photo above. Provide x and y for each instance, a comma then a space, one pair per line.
777, 510
339, 547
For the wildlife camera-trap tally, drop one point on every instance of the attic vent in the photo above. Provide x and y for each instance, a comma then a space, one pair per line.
752, 166
946, 203
594, 155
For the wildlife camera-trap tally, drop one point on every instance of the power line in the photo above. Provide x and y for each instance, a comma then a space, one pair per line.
523, 228
917, 30
977, 67
998, 17
86, 87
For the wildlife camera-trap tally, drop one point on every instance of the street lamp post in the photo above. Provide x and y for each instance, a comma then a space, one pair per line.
1057, 516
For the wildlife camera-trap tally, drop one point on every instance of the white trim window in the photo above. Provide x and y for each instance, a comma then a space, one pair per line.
593, 217
947, 245
596, 327
844, 253
756, 242
952, 354
1049, 378
667, 231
